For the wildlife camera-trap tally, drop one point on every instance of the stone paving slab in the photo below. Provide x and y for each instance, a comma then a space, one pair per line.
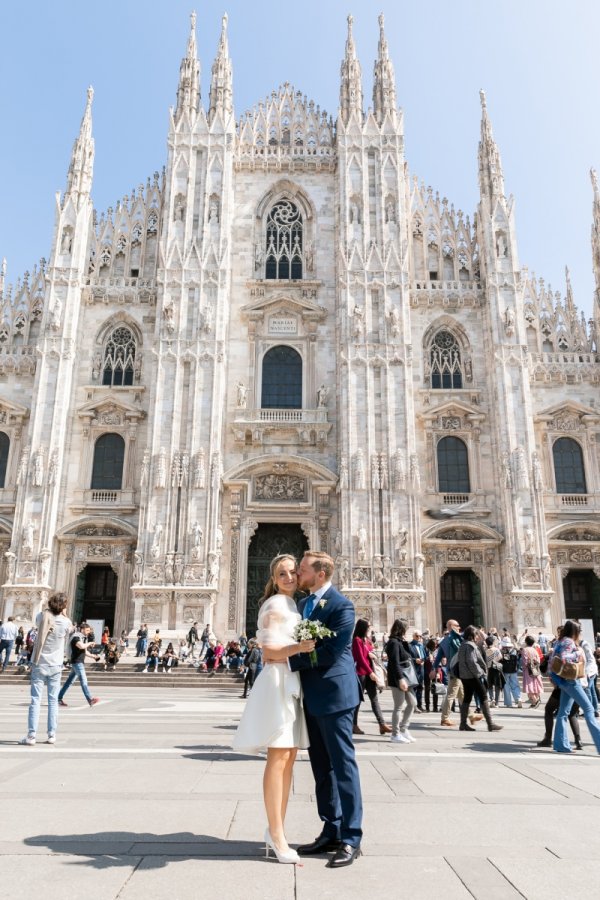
144, 798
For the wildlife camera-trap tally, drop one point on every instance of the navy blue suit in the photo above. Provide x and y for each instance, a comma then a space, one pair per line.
331, 693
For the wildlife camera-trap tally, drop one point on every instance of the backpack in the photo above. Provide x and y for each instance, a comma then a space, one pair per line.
533, 666
453, 668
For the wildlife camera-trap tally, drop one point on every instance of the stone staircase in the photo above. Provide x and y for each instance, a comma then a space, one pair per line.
129, 673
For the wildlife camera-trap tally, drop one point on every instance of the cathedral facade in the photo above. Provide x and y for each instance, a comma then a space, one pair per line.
287, 341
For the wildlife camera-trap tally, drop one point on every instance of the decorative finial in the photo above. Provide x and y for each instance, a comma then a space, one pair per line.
90, 95
350, 23
381, 21
594, 177
193, 20
3, 267
482, 98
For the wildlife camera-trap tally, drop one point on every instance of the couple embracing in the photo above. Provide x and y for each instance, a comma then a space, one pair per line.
297, 703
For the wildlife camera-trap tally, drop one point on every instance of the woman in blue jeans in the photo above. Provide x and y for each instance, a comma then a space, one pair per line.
567, 649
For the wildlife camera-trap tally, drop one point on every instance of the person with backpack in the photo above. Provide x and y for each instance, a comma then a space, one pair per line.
510, 667
533, 685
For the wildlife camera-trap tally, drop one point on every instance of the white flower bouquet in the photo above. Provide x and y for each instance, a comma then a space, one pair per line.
312, 630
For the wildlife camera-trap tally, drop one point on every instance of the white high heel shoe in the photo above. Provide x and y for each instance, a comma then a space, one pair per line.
289, 857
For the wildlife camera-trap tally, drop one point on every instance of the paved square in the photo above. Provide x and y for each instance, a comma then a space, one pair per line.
141, 797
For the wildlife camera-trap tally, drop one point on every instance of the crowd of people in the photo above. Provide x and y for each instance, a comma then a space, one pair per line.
479, 666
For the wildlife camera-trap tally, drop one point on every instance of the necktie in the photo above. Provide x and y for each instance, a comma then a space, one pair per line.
309, 605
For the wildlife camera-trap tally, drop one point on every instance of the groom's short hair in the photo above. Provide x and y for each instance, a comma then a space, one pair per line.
321, 562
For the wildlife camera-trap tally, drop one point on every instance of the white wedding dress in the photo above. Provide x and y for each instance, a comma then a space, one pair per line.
274, 716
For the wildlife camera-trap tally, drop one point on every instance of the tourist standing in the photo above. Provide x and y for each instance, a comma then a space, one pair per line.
8, 636
398, 654
47, 661
510, 665
533, 685
142, 641
363, 653
567, 650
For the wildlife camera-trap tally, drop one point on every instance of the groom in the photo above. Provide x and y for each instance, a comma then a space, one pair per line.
331, 694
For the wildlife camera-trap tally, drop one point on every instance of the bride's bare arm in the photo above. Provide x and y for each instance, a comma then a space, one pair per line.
280, 654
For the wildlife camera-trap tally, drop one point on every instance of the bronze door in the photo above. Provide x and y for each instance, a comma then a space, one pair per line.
460, 597
269, 540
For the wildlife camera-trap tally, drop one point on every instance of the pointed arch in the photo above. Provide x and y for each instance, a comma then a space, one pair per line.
118, 362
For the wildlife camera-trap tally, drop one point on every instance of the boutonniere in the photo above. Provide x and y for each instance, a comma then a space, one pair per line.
322, 603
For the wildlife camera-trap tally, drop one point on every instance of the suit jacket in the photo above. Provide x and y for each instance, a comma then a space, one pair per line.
331, 685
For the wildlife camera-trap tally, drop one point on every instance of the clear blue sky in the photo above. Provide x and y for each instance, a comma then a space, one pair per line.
536, 59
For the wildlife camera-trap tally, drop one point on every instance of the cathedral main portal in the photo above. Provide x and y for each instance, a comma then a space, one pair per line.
269, 540
96, 596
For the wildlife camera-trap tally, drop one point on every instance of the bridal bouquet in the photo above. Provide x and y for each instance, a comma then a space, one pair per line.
312, 630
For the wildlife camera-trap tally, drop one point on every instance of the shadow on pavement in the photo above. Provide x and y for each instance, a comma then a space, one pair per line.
108, 849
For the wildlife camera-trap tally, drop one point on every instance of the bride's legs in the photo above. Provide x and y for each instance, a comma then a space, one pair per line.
287, 782
274, 791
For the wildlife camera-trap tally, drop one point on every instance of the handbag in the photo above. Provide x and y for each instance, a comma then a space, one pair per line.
408, 671
568, 670
380, 675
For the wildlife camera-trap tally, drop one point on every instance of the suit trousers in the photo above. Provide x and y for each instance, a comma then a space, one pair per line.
337, 780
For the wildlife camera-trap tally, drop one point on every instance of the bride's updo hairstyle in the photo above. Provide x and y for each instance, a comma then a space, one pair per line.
270, 587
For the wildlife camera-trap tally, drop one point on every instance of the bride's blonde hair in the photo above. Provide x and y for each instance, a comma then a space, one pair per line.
270, 587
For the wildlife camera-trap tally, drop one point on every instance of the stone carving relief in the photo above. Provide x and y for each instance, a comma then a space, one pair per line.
37, 471
160, 479
200, 470
359, 471
155, 548
399, 471
27, 534
520, 465
565, 422
343, 476
361, 575
361, 542
280, 488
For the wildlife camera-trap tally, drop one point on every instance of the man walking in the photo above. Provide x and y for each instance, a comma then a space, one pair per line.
192, 638
8, 634
447, 649
79, 650
331, 694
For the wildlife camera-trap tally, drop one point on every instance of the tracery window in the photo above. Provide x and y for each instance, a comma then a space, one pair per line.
284, 242
569, 470
4, 448
109, 454
282, 379
453, 466
445, 361
119, 358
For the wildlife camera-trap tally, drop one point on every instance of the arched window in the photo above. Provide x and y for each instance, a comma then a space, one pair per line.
568, 467
284, 242
119, 358
4, 448
445, 361
453, 466
107, 471
282, 379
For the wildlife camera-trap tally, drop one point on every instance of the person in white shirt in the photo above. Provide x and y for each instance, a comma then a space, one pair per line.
46, 665
8, 634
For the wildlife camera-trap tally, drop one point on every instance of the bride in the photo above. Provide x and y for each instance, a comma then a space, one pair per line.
274, 717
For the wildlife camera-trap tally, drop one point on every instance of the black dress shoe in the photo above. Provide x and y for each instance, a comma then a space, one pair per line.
344, 856
322, 844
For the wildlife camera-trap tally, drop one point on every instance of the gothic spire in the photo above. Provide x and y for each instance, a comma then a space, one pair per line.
81, 167
384, 84
491, 178
596, 237
351, 98
221, 85
188, 90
